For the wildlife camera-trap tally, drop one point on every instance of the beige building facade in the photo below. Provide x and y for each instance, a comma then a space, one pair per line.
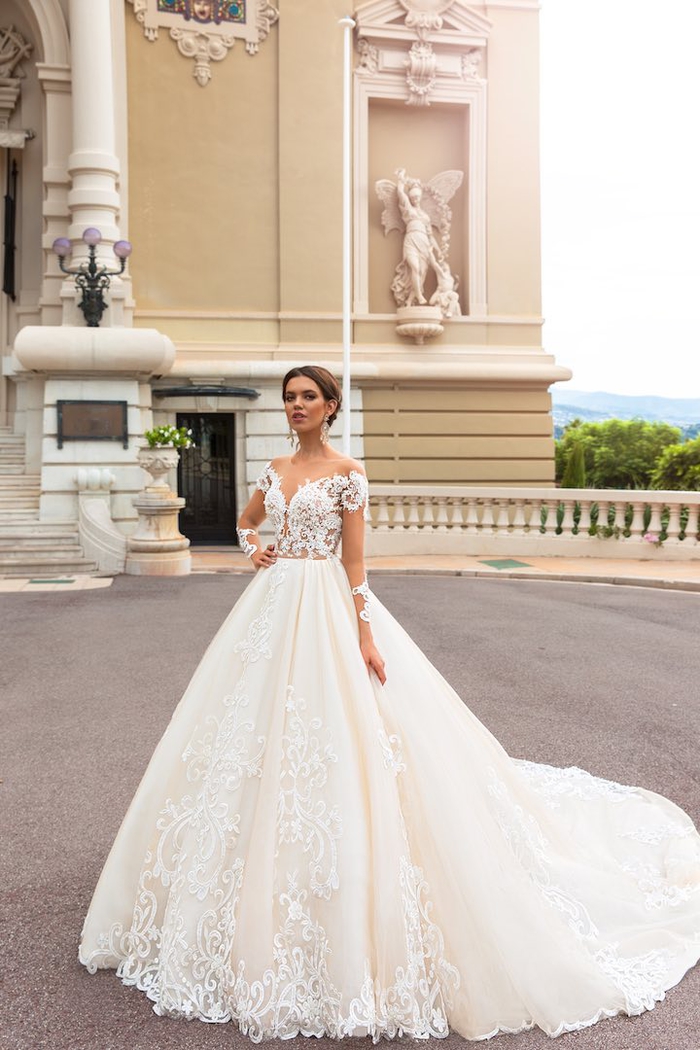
210, 135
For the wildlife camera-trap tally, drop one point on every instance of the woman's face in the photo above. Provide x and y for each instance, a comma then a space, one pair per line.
305, 405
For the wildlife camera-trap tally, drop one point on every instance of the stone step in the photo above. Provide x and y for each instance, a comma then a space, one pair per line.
15, 505
34, 527
24, 481
19, 516
46, 567
24, 496
30, 549
8, 468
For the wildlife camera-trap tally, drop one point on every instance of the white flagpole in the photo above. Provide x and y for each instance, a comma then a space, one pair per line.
348, 25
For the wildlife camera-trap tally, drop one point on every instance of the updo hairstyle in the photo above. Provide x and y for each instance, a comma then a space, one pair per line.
324, 380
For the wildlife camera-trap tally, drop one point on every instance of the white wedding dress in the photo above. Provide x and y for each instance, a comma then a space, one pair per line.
312, 853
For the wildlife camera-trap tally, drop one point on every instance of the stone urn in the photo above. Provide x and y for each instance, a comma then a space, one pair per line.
157, 547
158, 461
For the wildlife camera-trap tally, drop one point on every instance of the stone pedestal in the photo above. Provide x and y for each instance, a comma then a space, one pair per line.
157, 547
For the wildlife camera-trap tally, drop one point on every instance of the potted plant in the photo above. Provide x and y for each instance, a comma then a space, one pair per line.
161, 454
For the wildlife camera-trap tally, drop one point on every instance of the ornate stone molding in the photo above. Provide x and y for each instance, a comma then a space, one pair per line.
13, 48
421, 68
206, 30
432, 42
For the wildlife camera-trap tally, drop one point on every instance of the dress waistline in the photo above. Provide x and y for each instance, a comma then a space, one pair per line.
307, 557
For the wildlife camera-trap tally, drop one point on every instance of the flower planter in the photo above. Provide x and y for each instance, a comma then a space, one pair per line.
158, 462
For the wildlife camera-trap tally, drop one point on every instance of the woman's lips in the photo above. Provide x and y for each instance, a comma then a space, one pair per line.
298, 419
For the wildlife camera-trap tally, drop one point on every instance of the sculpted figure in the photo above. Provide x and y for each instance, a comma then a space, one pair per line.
445, 295
422, 214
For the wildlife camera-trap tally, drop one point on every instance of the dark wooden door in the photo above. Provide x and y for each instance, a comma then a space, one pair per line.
207, 480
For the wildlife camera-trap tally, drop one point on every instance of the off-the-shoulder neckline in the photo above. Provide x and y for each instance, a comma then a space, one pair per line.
308, 481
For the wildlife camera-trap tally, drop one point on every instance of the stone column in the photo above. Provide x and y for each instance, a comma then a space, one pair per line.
93, 165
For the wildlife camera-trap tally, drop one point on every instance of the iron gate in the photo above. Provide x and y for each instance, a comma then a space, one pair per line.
207, 479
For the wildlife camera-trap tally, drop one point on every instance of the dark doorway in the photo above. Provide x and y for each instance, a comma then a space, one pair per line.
206, 478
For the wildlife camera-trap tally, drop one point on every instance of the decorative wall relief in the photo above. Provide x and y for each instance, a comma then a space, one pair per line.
13, 48
421, 213
425, 52
206, 30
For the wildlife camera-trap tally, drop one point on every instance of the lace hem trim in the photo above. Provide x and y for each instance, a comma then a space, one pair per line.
377, 1032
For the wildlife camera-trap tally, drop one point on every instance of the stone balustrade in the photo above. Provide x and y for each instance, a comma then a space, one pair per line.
603, 523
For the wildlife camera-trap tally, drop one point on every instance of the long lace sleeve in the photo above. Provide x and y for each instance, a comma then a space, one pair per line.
248, 538
355, 503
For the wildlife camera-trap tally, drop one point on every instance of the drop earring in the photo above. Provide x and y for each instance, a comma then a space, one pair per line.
293, 439
325, 429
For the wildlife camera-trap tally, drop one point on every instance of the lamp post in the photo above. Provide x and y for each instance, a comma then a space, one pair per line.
348, 25
93, 280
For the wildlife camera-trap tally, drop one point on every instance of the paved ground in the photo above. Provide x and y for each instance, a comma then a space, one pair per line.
649, 572
600, 676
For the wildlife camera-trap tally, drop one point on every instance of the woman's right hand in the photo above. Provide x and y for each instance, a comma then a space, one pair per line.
265, 558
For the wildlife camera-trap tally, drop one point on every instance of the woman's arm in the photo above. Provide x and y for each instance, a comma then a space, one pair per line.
354, 565
248, 524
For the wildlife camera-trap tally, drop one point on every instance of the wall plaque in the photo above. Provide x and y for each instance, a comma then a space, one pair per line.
92, 421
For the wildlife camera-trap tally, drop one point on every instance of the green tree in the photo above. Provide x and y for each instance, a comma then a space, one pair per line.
618, 453
678, 467
574, 476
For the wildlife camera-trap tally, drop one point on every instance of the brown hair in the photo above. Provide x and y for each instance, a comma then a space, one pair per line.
324, 380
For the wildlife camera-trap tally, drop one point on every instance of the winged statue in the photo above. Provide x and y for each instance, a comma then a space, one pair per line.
421, 212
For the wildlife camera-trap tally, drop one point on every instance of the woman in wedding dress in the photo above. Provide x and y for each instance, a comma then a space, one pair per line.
327, 842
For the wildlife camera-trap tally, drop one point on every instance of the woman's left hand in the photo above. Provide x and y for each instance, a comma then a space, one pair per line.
373, 661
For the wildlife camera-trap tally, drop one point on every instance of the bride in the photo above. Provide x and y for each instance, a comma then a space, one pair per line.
327, 842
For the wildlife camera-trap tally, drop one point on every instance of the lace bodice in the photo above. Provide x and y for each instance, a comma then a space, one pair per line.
310, 525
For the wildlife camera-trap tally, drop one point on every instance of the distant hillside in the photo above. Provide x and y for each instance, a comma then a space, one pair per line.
594, 407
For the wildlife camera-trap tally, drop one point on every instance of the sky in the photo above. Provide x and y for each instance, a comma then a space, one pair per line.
621, 193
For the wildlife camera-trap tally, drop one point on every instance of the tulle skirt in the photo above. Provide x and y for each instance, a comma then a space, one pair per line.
312, 853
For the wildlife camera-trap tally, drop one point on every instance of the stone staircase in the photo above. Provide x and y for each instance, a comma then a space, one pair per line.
29, 547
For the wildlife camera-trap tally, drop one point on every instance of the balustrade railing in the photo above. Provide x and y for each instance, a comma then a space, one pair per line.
592, 522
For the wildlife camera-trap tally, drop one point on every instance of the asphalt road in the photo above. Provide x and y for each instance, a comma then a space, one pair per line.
571, 674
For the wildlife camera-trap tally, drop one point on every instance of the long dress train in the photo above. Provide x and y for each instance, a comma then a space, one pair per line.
312, 853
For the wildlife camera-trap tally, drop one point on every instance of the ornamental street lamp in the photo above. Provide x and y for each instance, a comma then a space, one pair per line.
92, 280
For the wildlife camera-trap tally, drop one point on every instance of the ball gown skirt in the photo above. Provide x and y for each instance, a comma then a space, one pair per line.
312, 853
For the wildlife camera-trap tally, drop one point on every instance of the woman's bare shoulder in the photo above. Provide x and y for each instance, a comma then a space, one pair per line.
346, 465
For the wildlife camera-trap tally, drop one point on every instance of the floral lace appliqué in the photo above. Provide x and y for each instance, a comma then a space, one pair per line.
639, 978
181, 964
391, 751
298, 997
310, 525
303, 814
553, 783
